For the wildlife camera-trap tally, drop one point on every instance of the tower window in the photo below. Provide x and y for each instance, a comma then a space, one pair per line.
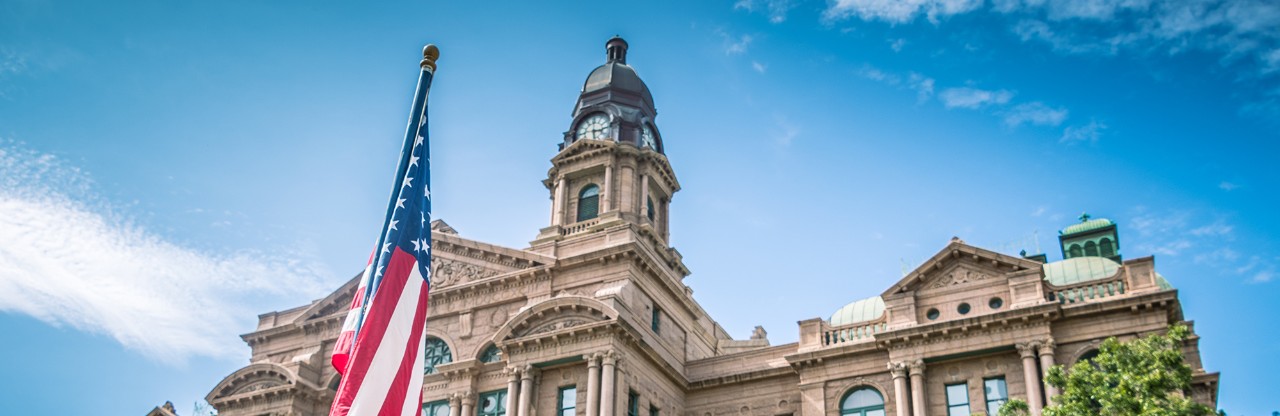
568, 401
1074, 251
1091, 249
1106, 248
656, 323
958, 400
633, 403
997, 394
588, 202
650, 210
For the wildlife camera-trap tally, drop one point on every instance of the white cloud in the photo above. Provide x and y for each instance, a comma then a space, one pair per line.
878, 75
759, 67
776, 9
736, 46
922, 85
1084, 133
972, 98
898, 11
1228, 186
1034, 112
786, 131
897, 44
1217, 229
66, 261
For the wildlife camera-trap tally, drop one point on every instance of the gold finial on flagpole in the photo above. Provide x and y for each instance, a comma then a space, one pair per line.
429, 55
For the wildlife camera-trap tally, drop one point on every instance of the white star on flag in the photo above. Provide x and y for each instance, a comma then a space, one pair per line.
386, 248
417, 141
416, 246
413, 160
400, 203
393, 224
408, 181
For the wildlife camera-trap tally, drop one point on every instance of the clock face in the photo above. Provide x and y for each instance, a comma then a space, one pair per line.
595, 127
646, 138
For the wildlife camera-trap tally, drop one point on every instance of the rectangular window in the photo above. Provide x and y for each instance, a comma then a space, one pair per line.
958, 399
492, 403
568, 400
633, 403
997, 394
653, 410
656, 324
440, 408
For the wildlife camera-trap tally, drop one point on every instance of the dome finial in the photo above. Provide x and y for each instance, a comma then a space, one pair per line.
616, 50
1084, 216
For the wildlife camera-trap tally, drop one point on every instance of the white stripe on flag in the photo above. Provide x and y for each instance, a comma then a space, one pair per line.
413, 399
387, 359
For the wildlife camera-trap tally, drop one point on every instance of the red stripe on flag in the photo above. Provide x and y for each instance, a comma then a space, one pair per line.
394, 405
375, 327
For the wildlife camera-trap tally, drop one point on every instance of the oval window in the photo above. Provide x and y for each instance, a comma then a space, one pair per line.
963, 308
932, 314
995, 303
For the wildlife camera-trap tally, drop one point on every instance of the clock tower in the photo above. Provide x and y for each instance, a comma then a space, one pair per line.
611, 170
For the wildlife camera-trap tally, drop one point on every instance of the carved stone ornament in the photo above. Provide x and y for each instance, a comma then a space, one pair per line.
261, 385
556, 325
959, 277
446, 272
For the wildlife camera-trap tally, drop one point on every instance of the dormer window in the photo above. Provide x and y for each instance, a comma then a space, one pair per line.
588, 202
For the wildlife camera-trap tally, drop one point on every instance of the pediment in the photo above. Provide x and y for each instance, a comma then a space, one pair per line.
559, 313
250, 379
959, 264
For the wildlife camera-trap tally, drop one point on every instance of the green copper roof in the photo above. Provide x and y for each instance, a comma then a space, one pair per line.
868, 309
1087, 225
1079, 269
1163, 283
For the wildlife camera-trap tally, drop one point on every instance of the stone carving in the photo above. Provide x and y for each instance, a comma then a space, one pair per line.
959, 277
260, 385
556, 325
446, 272
759, 333
342, 303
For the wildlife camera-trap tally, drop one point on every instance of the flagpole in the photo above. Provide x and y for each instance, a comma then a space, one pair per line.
417, 114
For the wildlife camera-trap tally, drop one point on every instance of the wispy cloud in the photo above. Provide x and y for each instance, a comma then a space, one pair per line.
1036, 113
736, 45
775, 9
1087, 133
787, 132
66, 259
759, 67
898, 11
897, 44
1228, 186
973, 98
922, 85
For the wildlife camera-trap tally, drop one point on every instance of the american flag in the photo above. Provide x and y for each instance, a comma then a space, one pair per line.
379, 351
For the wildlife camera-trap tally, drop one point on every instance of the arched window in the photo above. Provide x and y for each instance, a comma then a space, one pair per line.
862, 401
588, 202
1074, 251
491, 354
1091, 249
437, 353
1106, 248
650, 210
1088, 356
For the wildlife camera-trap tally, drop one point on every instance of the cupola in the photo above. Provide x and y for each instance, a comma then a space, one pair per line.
615, 104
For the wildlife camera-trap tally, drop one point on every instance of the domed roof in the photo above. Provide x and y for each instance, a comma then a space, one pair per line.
617, 76
1079, 269
868, 309
1087, 224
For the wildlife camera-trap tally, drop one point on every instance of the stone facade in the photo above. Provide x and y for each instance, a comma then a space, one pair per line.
596, 311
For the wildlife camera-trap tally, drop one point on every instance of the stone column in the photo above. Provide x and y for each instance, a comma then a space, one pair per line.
557, 215
455, 402
609, 382
644, 197
1046, 361
593, 385
608, 189
899, 372
916, 369
526, 389
1032, 377
513, 390
468, 403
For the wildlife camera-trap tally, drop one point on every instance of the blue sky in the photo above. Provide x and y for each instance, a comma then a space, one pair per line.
168, 170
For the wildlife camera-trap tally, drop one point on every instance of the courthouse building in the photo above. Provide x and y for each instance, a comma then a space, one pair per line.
594, 318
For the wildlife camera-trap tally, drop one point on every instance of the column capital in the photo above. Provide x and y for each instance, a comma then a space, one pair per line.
610, 358
528, 372
916, 367
455, 399
468, 398
593, 359
898, 369
1027, 349
1047, 346
513, 374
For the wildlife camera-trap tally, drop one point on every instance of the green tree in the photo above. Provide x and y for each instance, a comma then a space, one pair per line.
1015, 407
1146, 376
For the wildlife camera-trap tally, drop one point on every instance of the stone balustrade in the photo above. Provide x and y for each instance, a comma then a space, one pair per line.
578, 227
852, 333
1087, 291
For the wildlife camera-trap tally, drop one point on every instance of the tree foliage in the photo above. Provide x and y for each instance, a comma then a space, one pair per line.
1146, 376
1015, 407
